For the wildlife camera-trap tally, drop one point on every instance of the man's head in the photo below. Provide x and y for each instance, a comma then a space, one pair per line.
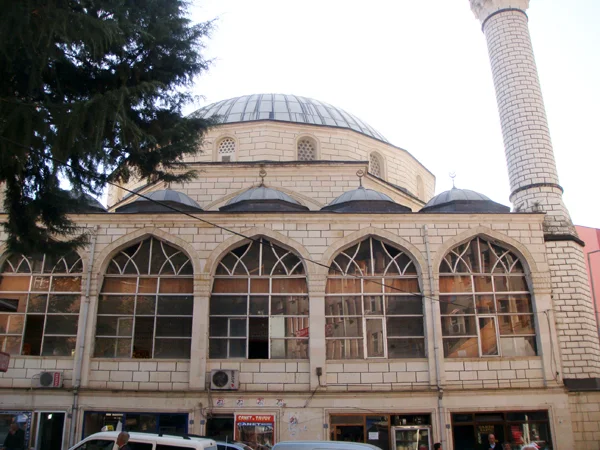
437, 446
13, 427
491, 439
122, 438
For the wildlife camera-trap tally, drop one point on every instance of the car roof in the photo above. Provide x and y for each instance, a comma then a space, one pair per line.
151, 437
326, 444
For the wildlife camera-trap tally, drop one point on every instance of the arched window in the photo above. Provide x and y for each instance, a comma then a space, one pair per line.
39, 305
307, 149
376, 165
373, 306
226, 150
485, 302
146, 303
259, 304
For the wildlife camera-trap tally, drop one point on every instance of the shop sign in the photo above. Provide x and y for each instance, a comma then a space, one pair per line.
302, 332
256, 430
4, 360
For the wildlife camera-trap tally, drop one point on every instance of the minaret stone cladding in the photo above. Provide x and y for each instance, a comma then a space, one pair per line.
534, 179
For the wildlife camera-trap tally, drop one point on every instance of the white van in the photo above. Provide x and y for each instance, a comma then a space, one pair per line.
323, 445
107, 440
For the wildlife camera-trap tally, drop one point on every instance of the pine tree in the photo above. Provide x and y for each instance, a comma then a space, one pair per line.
91, 91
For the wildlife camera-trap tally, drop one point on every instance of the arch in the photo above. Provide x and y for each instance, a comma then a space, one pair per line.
359, 235
304, 152
4, 253
106, 255
220, 146
377, 165
224, 247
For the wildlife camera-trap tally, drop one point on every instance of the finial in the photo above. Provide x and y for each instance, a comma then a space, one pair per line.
360, 174
262, 174
453, 176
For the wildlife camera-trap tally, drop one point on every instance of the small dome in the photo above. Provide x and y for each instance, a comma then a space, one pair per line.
167, 196
463, 200
365, 200
90, 204
262, 199
287, 108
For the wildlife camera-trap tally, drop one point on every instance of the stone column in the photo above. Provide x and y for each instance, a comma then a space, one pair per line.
534, 179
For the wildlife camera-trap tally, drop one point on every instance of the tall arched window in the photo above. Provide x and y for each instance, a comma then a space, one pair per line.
226, 150
307, 149
485, 302
373, 306
146, 304
39, 305
376, 165
259, 304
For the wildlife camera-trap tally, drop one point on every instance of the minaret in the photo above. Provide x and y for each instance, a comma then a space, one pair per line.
534, 179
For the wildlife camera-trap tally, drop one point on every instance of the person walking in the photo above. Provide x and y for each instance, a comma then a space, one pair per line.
15, 439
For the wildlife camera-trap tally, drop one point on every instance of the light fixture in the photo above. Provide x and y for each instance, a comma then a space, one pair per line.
49, 416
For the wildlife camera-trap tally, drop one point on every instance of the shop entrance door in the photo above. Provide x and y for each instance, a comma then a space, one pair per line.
50, 430
220, 427
349, 433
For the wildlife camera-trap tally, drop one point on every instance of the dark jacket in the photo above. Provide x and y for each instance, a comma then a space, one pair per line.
125, 447
15, 441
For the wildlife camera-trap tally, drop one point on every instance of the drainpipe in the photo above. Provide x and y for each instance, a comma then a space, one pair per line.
85, 307
435, 341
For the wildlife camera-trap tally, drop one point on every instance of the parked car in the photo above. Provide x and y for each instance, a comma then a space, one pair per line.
323, 445
106, 440
233, 445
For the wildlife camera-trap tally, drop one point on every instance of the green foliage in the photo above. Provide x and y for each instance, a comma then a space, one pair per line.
99, 85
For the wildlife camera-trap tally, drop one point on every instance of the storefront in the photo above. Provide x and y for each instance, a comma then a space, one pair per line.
255, 430
150, 422
471, 431
386, 431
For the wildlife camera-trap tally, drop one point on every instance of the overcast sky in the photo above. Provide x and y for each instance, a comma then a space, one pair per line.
419, 73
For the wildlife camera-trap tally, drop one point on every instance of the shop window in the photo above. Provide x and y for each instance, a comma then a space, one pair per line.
373, 306
259, 304
148, 422
39, 305
146, 304
485, 303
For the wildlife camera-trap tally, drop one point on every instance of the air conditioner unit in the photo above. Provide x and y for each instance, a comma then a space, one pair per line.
224, 380
50, 380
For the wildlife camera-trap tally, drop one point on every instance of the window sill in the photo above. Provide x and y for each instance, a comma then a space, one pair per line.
494, 358
375, 360
164, 360
42, 358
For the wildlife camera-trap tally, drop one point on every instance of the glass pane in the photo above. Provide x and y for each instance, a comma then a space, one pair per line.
343, 286
237, 348
343, 306
64, 304
289, 348
401, 285
344, 327
406, 348
487, 333
259, 306
172, 305
456, 304
145, 305
405, 326
461, 347
10, 344
373, 305
514, 303
516, 325
289, 286
40, 284
11, 303
373, 286
259, 285
176, 285
289, 305
280, 326
357, 419
518, 346
458, 326
217, 348
218, 326
32, 337
114, 326
485, 304
230, 285
456, 283
119, 285
374, 336
14, 323
59, 346
3, 324
115, 304
66, 284
237, 327
173, 326
172, 348
483, 284
399, 305
112, 348
143, 337
59, 324
15, 283
228, 306
510, 284
148, 285
345, 349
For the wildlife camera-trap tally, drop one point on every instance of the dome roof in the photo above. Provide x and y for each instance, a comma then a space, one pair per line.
90, 204
364, 200
287, 108
463, 200
172, 198
262, 198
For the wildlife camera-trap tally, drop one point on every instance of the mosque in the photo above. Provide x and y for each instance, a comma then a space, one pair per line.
310, 285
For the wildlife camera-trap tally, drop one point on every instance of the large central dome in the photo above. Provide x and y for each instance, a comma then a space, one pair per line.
287, 108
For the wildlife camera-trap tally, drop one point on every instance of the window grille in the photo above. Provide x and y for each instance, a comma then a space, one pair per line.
226, 150
375, 165
306, 150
